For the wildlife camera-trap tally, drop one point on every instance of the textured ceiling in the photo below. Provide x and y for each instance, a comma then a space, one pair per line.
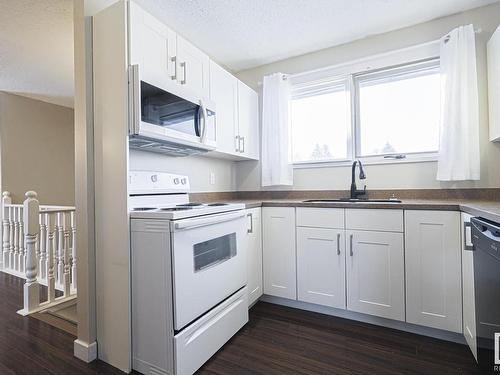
36, 49
242, 34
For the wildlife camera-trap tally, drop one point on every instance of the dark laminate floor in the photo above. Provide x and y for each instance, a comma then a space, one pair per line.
280, 340
30, 346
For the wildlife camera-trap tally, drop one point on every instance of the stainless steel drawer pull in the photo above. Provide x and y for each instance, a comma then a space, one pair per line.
338, 243
350, 239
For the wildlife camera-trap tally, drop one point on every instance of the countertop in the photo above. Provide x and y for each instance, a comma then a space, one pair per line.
487, 209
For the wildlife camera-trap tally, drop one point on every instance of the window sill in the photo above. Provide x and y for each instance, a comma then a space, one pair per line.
367, 161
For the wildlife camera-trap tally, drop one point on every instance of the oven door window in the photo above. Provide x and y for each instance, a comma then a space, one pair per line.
213, 252
159, 107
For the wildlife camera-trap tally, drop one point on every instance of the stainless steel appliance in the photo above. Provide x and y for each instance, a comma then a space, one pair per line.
486, 256
188, 274
173, 120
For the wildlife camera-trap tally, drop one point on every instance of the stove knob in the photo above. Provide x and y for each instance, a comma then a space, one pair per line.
184, 181
176, 181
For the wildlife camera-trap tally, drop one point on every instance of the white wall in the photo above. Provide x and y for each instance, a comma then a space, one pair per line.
394, 176
198, 168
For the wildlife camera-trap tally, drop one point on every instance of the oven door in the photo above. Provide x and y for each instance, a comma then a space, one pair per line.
208, 263
173, 116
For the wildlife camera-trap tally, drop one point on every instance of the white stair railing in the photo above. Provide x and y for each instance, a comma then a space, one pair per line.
38, 244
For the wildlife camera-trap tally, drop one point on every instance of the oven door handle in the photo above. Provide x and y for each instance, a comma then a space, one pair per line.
208, 220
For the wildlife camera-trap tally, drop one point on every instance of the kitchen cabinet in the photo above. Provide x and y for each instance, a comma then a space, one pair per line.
248, 122
433, 269
375, 273
321, 266
192, 68
224, 92
279, 255
468, 298
493, 58
254, 255
153, 46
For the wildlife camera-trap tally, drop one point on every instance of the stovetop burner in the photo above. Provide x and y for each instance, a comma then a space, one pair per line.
177, 208
193, 204
217, 204
143, 209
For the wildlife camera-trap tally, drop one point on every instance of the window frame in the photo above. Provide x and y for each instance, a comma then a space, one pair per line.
406, 57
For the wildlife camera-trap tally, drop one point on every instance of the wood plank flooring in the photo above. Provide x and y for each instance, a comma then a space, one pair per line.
281, 340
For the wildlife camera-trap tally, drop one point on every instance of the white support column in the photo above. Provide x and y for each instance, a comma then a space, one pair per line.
31, 225
4, 259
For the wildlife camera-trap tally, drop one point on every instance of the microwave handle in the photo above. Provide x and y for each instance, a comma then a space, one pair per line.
134, 99
204, 221
204, 121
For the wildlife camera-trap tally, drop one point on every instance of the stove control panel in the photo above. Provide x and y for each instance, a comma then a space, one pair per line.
151, 182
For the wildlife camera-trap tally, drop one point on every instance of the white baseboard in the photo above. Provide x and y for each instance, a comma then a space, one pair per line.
84, 351
402, 326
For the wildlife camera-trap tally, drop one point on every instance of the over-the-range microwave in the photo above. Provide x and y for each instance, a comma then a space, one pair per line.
173, 120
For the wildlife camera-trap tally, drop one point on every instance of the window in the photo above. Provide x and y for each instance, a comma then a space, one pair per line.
386, 113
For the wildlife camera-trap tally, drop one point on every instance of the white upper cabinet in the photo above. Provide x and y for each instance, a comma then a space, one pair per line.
224, 92
321, 266
254, 254
375, 273
433, 269
153, 46
192, 67
248, 122
493, 48
468, 298
278, 233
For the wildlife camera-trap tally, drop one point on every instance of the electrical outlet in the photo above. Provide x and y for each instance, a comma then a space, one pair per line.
212, 178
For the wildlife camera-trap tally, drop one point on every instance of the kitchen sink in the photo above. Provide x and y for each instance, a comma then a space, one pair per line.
351, 200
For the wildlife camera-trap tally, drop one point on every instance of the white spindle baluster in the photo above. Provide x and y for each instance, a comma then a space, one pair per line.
31, 225
16, 239
60, 248
42, 243
22, 250
67, 265
11, 238
73, 251
6, 200
51, 246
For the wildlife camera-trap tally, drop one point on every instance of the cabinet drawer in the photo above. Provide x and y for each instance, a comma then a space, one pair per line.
320, 217
385, 220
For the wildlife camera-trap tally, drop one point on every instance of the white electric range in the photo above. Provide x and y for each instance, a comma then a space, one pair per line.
188, 274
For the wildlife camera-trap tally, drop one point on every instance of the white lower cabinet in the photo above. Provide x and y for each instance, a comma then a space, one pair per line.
278, 233
321, 266
433, 269
254, 254
468, 298
375, 273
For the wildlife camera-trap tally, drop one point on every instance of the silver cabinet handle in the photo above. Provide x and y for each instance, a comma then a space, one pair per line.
184, 73
338, 243
350, 250
250, 215
237, 143
174, 61
467, 224
204, 116
240, 139
243, 148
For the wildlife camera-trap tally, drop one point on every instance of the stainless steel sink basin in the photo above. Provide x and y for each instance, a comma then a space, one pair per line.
390, 200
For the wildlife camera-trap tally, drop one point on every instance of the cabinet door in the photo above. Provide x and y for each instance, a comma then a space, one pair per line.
248, 121
254, 251
224, 92
433, 269
375, 273
192, 68
152, 46
321, 266
468, 301
278, 246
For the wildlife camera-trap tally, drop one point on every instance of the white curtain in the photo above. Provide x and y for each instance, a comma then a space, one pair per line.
459, 133
276, 165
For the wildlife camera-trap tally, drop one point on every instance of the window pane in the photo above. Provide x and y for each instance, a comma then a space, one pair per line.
399, 114
320, 126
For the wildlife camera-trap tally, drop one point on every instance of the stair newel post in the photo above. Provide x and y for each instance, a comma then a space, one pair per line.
60, 248
67, 264
42, 247
51, 248
22, 248
73, 250
31, 225
6, 200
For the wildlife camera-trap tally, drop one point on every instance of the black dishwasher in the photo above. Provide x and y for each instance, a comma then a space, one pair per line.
486, 246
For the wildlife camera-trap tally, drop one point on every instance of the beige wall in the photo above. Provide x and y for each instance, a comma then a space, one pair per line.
37, 149
415, 175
